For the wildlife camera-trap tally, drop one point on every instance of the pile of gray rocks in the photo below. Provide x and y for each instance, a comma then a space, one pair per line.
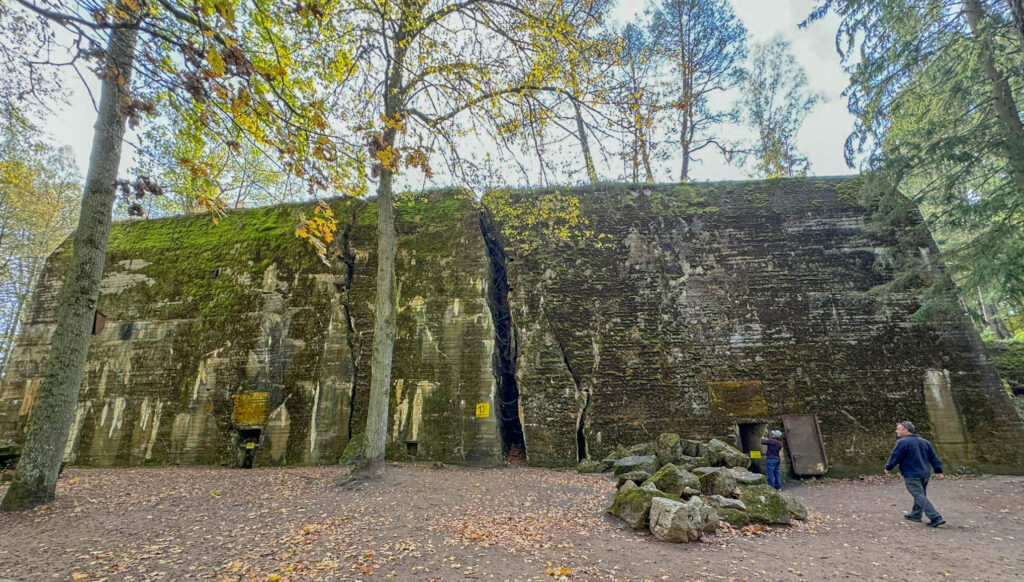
681, 489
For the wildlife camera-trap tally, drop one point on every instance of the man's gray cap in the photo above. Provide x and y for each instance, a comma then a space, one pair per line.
776, 433
907, 425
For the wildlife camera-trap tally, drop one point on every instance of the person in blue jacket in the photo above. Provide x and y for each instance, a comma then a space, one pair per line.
773, 446
916, 459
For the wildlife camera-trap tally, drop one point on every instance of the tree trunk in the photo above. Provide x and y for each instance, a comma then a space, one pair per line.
371, 463
1002, 96
581, 129
1017, 12
35, 478
13, 325
684, 142
375, 438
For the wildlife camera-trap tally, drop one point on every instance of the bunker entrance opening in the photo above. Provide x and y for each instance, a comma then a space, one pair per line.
248, 444
748, 437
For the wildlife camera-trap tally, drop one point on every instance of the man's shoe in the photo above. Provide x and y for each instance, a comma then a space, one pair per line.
907, 517
936, 522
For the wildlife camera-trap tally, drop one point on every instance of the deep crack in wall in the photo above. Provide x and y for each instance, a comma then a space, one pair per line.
505, 355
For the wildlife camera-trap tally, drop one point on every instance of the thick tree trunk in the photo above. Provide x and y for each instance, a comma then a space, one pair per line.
581, 129
1002, 97
35, 478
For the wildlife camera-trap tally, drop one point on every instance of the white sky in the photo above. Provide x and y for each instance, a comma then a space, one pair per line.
821, 138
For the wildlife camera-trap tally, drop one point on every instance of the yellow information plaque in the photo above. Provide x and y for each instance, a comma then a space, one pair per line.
250, 445
755, 454
483, 410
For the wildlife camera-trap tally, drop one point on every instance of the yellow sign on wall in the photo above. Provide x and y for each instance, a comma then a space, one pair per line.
755, 454
483, 410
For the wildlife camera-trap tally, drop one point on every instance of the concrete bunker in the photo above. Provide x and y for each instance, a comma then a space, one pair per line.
654, 315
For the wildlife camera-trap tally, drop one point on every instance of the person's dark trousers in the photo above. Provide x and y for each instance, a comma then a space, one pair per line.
772, 469
918, 487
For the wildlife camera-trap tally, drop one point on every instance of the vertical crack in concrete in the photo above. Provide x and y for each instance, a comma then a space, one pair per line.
345, 262
506, 345
584, 393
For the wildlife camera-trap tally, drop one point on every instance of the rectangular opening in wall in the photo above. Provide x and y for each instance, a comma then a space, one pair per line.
412, 448
748, 437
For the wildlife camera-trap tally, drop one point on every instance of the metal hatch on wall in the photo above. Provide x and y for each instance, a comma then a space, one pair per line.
806, 449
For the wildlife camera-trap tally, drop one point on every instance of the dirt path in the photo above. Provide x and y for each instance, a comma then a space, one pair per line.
451, 523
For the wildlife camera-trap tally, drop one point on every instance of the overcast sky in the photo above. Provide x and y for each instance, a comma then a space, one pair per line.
821, 138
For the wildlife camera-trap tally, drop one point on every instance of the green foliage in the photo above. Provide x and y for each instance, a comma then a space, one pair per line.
935, 88
528, 221
39, 197
775, 101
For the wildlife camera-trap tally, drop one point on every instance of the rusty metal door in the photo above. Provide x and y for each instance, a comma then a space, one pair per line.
803, 439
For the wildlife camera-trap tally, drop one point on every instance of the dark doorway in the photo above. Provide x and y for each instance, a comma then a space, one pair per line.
749, 436
248, 446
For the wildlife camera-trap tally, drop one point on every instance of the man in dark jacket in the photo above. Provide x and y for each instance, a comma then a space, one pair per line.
773, 446
916, 458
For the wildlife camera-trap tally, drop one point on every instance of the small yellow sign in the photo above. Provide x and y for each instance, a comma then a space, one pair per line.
483, 410
250, 445
755, 454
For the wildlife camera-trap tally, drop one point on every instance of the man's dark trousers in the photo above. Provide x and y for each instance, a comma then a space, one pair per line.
918, 487
772, 470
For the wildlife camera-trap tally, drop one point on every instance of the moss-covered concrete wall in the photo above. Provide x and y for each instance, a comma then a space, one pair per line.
595, 317
692, 309
197, 313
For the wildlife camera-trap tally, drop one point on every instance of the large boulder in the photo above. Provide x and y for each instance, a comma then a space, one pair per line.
673, 521
646, 463
633, 504
733, 517
675, 480
746, 479
641, 449
690, 463
715, 480
668, 448
719, 452
637, 477
765, 505
692, 448
796, 509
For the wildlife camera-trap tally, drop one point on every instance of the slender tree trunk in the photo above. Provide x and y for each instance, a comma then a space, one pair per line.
684, 143
35, 478
375, 438
581, 129
13, 324
371, 463
1002, 96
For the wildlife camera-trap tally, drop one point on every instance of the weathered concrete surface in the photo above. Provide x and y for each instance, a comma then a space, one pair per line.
633, 311
197, 313
688, 309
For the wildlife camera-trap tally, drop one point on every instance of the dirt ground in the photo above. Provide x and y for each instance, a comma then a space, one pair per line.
424, 523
